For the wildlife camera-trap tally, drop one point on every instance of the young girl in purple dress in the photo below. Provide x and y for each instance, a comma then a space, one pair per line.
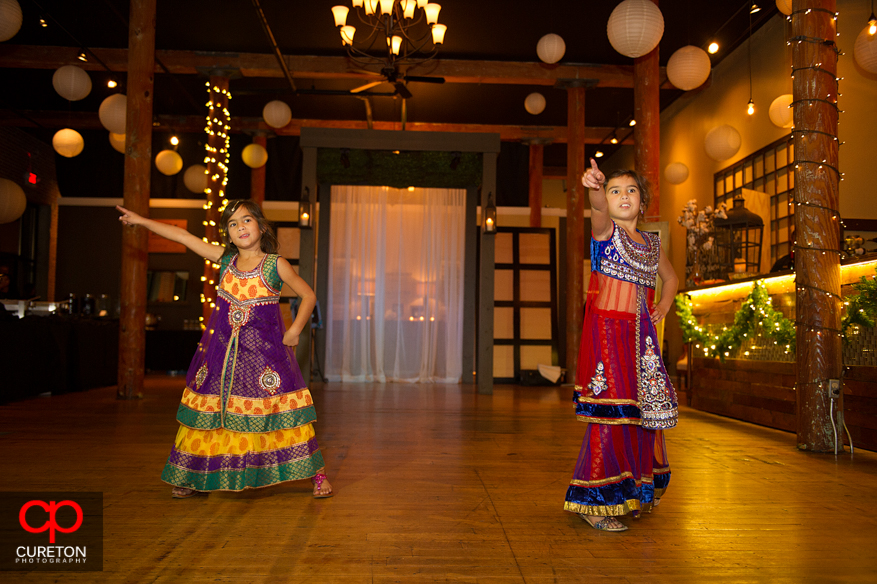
246, 417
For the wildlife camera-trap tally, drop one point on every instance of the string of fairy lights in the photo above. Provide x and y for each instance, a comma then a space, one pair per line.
216, 159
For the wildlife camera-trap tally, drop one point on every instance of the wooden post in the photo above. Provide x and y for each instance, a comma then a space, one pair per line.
138, 166
647, 132
257, 175
217, 167
537, 149
487, 267
817, 259
576, 194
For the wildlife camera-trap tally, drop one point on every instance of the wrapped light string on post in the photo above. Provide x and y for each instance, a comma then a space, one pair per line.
216, 160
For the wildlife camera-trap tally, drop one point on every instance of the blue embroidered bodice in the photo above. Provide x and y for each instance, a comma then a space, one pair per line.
622, 258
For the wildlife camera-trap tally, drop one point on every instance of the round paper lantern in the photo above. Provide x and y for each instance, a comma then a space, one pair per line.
68, 143
535, 103
276, 113
255, 155
676, 173
722, 142
71, 82
10, 19
780, 113
195, 178
117, 141
112, 113
551, 48
12, 201
635, 27
168, 162
865, 51
785, 6
688, 67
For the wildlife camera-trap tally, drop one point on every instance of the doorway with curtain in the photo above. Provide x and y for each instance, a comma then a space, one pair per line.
396, 285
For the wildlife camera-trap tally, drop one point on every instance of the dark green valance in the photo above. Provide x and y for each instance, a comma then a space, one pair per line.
384, 168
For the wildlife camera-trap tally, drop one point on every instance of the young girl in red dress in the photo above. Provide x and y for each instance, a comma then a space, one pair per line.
622, 391
246, 417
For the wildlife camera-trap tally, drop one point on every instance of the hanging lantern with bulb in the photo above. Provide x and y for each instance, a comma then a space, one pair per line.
489, 224
304, 210
738, 240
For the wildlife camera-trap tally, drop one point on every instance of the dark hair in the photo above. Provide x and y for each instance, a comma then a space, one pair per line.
642, 183
268, 242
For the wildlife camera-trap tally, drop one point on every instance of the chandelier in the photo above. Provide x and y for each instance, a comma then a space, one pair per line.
391, 32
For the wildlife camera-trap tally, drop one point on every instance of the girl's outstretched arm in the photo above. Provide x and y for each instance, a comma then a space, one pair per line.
601, 223
308, 301
174, 233
669, 287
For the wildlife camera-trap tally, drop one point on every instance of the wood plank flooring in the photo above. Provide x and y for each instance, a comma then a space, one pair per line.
438, 484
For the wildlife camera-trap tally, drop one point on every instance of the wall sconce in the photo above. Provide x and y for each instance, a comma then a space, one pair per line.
304, 210
489, 225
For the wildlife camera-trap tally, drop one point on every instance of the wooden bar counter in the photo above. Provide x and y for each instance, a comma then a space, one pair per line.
756, 383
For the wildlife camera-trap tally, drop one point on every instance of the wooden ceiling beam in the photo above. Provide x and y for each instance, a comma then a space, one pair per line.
241, 125
309, 67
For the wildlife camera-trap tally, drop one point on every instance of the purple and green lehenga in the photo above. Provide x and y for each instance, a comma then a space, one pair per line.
246, 416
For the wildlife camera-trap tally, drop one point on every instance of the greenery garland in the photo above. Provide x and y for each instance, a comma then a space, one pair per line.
756, 312
861, 308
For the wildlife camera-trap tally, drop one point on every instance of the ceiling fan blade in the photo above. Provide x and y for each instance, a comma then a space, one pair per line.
424, 79
366, 86
402, 91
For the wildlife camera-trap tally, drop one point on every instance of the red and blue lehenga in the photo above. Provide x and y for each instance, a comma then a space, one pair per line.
246, 417
622, 389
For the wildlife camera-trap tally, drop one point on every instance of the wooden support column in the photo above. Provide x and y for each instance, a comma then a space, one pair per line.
576, 193
537, 150
308, 254
257, 175
817, 263
138, 161
217, 170
484, 377
647, 132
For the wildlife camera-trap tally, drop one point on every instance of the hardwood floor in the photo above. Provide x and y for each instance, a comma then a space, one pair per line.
438, 484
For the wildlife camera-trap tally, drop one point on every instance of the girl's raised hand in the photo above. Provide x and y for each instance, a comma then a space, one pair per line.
593, 177
128, 217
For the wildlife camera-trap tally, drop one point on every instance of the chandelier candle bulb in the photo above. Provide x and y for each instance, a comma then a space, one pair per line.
340, 14
386, 6
397, 44
438, 33
432, 12
408, 7
347, 33
370, 7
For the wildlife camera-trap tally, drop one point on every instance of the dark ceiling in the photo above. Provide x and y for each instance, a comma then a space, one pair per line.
490, 30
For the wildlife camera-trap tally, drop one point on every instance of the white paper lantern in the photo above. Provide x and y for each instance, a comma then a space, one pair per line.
117, 141
12, 201
168, 162
780, 113
276, 113
535, 103
785, 6
255, 155
195, 178
635, 27
68, 143
551, 48
688, 67
71, 82
865, 51
112, 113
10, 19
722, 142
676, 173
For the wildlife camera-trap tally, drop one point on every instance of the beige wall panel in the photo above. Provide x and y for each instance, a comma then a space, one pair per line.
503, 322
535, 323
531, 356
504, 250
504, 285
503, 361
534, 248
535, 285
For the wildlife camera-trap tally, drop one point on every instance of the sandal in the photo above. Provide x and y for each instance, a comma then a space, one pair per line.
318, 484
605, 524
183, 492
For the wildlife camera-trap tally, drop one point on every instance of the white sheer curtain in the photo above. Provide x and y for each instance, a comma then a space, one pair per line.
395, 284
